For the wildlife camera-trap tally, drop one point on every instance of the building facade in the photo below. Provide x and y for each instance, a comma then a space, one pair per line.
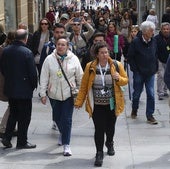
26, 11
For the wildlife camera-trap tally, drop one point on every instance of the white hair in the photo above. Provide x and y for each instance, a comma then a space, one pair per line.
147, 25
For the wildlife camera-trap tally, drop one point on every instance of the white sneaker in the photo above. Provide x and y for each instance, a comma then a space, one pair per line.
67, 150
60, 140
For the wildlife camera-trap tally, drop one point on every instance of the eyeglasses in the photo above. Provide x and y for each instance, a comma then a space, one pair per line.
101, 20
44, 23
76, 24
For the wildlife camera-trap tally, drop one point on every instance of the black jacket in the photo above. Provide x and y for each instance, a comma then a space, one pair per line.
142, 56
166, 17
18, 68
163, 47
36, 40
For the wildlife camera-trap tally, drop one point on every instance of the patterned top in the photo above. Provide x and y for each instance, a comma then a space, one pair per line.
101, 93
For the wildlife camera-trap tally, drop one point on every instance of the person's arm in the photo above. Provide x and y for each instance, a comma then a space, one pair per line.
90, 29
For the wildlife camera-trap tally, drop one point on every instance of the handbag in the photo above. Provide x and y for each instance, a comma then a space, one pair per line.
73, 90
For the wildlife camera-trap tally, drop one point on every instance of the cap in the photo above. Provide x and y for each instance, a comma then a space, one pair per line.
76, 20
65, 16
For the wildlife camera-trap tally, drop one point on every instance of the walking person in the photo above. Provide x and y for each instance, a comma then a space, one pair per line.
167, 76
143, 60
101, 90
58, 31
8, 41
19, 71
53, 79
163, 43
167, 73
41, 36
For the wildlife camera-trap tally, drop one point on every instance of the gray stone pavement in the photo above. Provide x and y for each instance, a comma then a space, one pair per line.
138, 145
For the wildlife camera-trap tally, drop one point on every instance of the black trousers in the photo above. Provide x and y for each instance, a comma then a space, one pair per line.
20, 113
104, 121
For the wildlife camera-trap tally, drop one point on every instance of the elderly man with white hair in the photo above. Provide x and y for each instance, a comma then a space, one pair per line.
142, 56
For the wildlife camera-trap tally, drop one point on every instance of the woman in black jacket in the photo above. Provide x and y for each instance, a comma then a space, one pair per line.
40, 37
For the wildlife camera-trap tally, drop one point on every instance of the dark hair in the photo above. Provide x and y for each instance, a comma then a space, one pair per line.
59, 25
98, 46
63, 37
99, 34
49, 24
2, 37
10, 37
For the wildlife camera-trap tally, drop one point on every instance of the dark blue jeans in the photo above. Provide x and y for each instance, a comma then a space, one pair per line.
138, 83
63, 111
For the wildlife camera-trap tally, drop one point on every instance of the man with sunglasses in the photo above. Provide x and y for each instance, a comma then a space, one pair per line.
77, 37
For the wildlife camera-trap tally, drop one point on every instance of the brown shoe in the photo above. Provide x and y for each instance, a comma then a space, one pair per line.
134, 114
151, 120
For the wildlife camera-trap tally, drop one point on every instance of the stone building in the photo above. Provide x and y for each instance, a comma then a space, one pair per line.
27, 11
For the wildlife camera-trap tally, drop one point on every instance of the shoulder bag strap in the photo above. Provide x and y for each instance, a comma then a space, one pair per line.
64, 75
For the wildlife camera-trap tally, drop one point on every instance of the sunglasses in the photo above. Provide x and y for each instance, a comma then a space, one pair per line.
135, 26
101, 20
76, 24
44, 23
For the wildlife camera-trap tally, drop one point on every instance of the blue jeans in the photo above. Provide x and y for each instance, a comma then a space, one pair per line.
63, 111
138, 82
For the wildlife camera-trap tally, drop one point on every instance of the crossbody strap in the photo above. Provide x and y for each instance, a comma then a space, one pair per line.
64, 75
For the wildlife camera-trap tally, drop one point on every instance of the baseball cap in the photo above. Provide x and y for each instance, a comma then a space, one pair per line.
65, 16
76, 20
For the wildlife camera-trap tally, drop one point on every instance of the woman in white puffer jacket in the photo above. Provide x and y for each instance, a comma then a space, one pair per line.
54, 84
152, 17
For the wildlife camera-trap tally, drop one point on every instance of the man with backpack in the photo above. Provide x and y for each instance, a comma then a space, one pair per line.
78, 38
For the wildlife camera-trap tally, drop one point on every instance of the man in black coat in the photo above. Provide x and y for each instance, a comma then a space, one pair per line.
166, 16
163, 43
20, 75
142, 57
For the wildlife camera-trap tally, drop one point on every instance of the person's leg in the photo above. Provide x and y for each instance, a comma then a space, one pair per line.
56, 109
150, 105
66, 120
24, 118
160, 81
4, 120
54, 125
110, 130
138, 87
11, 123
12, 119
99, 124
99, 120
110, 125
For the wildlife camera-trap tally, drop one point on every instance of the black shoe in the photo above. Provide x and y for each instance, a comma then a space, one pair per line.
6, 143
26, 146
99, 159
134, 114
110, 149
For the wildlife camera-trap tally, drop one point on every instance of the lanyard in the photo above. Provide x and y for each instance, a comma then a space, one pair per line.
103, 73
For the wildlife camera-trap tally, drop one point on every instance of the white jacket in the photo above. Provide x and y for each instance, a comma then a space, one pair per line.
53, 82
